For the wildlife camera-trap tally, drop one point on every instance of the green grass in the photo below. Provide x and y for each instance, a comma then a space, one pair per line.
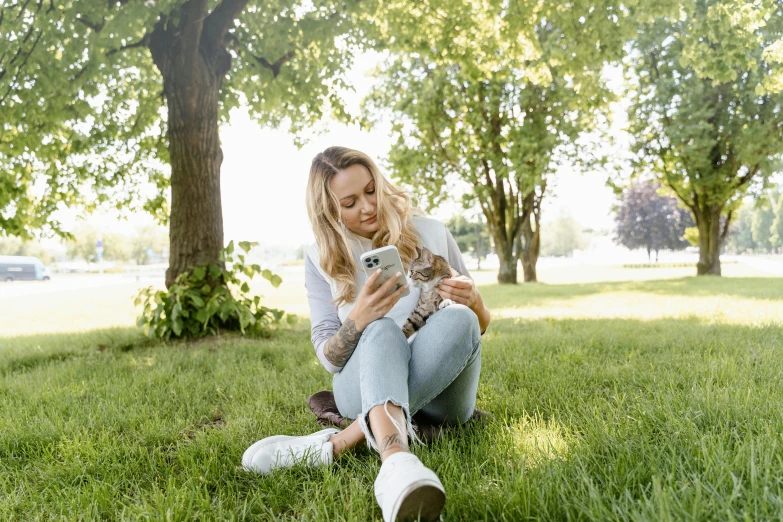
656, 400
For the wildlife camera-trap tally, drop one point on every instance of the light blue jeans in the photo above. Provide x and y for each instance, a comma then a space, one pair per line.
436, 374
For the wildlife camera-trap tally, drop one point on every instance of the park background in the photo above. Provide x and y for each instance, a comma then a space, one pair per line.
622, 385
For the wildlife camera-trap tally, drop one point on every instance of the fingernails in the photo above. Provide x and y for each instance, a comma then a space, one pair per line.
378, 271
398, 274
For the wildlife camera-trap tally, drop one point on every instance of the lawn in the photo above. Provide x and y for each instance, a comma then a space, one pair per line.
656, 399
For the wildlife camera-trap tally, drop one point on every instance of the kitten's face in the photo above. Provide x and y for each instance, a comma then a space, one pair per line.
421, 267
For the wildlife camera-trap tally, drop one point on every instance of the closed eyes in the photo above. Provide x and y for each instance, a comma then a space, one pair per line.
369, 192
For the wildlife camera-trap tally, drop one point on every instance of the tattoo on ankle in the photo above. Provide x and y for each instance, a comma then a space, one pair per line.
393, 441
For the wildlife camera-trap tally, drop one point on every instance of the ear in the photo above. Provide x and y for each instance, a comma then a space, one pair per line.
426, 254
418, 252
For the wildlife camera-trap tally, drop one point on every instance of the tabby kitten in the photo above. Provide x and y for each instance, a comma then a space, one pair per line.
427, 270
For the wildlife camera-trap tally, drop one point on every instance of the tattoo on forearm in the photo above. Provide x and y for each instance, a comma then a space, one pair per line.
393, 441
340, 347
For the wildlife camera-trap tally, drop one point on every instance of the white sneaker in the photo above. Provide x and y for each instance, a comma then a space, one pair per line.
283, 451
408, 490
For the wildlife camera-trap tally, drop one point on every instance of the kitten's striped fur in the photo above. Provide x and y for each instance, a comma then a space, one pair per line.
427, 269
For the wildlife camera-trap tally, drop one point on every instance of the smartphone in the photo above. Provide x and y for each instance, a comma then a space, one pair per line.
388, 260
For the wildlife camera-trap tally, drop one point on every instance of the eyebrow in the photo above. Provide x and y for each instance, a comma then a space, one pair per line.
353, 195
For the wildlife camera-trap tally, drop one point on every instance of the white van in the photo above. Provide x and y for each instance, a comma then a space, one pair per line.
22, 268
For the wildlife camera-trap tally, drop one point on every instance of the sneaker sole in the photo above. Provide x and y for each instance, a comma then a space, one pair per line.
423, 500
252, 450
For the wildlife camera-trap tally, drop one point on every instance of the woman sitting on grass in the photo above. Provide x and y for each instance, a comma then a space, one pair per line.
380, 377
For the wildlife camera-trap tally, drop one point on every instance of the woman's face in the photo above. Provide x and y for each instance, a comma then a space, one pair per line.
355, 189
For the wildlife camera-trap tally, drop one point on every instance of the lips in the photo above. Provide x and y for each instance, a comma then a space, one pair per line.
372, 219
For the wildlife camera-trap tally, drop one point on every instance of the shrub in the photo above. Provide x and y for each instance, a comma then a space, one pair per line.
209, 298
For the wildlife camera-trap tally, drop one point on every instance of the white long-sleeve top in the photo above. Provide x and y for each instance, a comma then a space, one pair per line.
326, 318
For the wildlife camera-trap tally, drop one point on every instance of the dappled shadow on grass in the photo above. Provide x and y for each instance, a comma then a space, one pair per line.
763, 288
620, 418
594, 419
27, 352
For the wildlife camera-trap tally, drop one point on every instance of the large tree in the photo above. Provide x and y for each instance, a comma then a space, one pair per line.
707, 107
646, 219
494, 94
97, 96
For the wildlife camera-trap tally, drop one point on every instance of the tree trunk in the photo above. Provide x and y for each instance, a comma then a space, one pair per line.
710, 237
191, 84
531, 249
507, 275
196, 224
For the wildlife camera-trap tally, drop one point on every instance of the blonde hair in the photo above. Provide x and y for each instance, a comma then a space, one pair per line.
394, 211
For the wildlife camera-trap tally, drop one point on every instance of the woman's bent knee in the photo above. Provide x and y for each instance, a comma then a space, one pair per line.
384, 323
461, 318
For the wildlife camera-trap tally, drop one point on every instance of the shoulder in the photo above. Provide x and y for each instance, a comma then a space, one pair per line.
313, 253
427, 225
313, 260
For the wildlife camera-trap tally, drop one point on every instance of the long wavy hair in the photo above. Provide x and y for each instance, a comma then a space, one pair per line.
394, 210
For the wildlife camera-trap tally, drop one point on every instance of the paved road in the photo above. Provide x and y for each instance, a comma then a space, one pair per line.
70, 283
762, 265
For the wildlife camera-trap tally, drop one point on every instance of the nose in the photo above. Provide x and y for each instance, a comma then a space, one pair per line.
368, 209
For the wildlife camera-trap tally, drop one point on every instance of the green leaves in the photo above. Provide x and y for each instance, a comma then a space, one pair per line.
82, 109
492, 95
196, 305
706, 110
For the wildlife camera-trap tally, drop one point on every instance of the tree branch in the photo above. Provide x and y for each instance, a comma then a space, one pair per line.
22, 10
747, 177
20, 49
275, 67
144, 42
194, 12
726, 227
19, 69
95, 27
220, 19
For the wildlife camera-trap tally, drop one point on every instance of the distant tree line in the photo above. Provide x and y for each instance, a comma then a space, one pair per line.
496, 94
758, 227
117, 247
564, 236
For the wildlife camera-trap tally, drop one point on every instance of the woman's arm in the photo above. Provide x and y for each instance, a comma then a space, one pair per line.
462, 290
482, 312
334, 342
323, 313
468, 293
339, 348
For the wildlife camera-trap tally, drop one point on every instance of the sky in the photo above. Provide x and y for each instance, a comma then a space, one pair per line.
264, 176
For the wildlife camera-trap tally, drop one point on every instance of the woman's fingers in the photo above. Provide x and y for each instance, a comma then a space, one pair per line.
447, 292
370, 283
387, 286
392, 298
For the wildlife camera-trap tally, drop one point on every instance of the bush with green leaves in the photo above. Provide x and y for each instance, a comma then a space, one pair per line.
211, 298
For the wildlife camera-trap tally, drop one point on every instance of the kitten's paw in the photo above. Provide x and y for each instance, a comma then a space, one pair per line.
443, 304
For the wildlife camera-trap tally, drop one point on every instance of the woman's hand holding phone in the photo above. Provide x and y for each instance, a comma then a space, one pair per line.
372, 303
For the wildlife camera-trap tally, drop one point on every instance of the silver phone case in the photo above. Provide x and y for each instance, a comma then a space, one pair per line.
387, 259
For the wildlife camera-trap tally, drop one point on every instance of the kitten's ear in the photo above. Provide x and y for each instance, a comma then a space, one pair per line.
426, 255
418, 252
